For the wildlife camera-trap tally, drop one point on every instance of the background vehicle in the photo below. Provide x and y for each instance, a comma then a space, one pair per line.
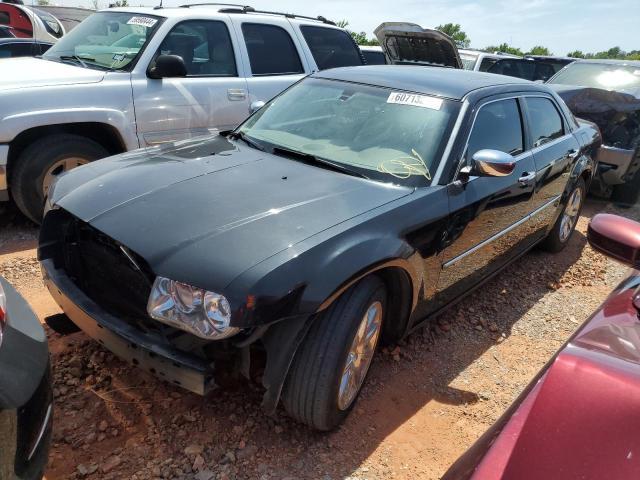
6, 32
534, 68
22, 47
579, 414
30, 22
480, 61
607, 92
69, 17
135, 77
342, 212
26, 401
409, 44
373, 55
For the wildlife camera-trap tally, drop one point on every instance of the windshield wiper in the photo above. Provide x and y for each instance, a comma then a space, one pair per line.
309, 158
242, 136
81, 61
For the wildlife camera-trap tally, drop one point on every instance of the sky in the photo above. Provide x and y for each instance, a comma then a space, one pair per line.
560, 25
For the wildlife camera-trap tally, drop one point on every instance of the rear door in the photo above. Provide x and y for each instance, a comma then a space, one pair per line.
554, 150
272, 55
331, 47
488, 214
213, 95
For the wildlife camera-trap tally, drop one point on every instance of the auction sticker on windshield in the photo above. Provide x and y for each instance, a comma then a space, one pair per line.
423, 101
143, 21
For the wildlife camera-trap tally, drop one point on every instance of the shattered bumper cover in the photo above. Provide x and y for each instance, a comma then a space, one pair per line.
145, 350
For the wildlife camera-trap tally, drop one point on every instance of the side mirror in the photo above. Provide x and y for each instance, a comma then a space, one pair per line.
617, 237
255, 106
492, 163
168, 66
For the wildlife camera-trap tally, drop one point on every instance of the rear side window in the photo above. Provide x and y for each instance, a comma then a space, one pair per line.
545, 122
514, 68
204, 45
271, 50
331, 48
498, 126
374, 58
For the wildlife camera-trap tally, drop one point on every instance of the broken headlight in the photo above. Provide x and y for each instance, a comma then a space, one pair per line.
203, 313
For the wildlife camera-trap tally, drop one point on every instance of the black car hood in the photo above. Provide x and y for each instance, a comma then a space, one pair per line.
408, 43
213, 207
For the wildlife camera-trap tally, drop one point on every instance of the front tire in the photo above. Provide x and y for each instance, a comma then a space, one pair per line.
39, 164
333, 360
566, 223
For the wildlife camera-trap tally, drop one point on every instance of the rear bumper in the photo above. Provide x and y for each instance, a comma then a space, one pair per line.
4, 184
145, 350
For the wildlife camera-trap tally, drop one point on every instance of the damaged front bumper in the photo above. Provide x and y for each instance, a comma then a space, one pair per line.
145, 350
617, 165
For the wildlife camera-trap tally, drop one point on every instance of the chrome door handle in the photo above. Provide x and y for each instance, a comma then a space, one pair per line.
573, 153
235, 94
527, 179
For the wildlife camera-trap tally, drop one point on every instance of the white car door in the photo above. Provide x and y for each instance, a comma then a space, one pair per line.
212, 96
273, 56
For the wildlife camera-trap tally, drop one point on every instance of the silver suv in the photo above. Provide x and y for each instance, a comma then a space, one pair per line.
135, 77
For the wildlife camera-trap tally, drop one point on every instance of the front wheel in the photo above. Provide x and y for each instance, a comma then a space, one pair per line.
565, 225
42, 162
332, 362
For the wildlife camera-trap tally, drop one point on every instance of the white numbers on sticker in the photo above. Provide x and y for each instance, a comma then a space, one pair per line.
423, 101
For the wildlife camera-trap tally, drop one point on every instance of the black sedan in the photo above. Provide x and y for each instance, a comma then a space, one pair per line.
347, 211
25, 389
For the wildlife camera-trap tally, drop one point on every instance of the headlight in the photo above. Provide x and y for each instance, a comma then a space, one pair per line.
203, 313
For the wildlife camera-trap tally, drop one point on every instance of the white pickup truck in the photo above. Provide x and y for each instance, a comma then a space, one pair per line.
134, 77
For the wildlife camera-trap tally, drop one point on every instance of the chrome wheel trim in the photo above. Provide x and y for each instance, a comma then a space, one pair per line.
59, 167
360, 355
570, 214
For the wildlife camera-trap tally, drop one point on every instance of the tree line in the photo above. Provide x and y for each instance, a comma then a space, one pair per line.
462, 40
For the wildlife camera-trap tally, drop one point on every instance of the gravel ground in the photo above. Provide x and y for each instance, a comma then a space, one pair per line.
427, 399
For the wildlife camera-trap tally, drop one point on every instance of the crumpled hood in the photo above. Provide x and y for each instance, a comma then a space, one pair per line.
409, 43
205, 211
28, 72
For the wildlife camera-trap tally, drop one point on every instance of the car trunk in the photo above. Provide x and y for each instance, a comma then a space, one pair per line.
410, 44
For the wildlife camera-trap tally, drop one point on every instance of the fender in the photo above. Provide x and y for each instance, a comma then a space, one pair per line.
13, 125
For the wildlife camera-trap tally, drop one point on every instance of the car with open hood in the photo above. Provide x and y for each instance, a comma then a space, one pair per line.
607, 92
578, 417
346, 212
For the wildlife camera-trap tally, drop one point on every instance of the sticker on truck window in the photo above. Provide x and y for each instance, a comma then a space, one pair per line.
142, 21
423, 101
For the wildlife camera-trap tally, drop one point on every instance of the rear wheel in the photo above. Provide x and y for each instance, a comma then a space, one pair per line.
42, 162
567, 221
332, 362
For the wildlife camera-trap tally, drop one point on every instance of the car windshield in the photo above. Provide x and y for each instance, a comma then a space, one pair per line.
468, 60
105, 40
599, 75
383, 134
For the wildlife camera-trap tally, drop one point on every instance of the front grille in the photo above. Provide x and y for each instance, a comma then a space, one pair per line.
100, 268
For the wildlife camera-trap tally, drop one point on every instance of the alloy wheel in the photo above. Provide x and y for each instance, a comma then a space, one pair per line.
61, 166
570, 214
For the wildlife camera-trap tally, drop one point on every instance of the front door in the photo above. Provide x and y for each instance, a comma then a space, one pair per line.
488, 219
213, 95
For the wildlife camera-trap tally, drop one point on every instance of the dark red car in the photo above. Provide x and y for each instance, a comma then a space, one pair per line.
580, 417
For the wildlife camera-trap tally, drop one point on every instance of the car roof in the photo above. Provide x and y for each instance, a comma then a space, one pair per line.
603, 61
439, 81
214, 10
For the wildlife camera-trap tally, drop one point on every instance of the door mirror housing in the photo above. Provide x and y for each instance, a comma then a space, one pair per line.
492, 163
617, 237
255, 106
168, 66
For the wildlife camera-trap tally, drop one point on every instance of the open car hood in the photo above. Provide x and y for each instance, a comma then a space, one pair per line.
407, 43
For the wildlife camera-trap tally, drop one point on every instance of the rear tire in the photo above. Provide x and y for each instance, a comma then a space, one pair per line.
312, 393
38, 162
561, 232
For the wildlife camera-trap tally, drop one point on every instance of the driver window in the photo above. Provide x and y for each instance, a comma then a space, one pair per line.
205, 47
498, 126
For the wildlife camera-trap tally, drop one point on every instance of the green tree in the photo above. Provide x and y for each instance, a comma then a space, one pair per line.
504, 48
454, 30
539, 50
576, 54
119, 3
43, 3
